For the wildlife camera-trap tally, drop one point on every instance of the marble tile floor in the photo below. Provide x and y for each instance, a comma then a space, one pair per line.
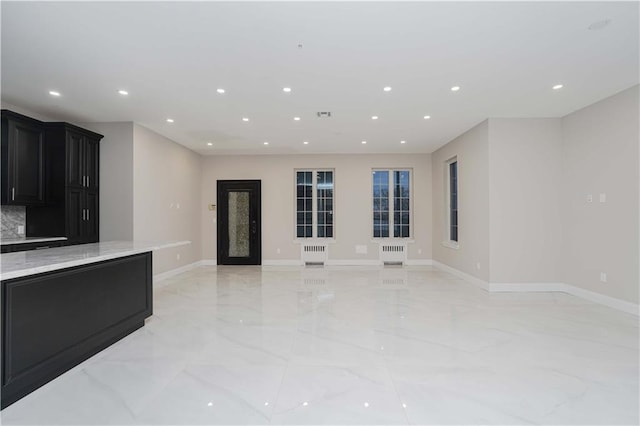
352, 345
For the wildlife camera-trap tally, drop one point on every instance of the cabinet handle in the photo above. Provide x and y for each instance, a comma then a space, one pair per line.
87, 214
88, 182
13, 193
84, 214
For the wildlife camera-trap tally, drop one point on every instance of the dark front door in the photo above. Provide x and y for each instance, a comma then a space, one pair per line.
239, 230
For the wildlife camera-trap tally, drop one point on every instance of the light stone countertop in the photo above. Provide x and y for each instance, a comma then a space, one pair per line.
24, 263
24, 240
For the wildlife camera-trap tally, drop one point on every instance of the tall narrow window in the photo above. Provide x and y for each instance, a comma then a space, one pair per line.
381, 203
314, 203
391, 203
304, 208
453, 200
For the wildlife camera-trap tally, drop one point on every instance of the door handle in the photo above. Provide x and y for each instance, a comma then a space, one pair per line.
254, 226
13, 193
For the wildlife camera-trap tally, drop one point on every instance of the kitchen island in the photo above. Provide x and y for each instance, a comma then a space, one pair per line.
62, 305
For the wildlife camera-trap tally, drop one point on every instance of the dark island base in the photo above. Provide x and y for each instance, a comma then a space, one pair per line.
53, 321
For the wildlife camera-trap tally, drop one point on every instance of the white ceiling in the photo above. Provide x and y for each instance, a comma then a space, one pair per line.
172, 57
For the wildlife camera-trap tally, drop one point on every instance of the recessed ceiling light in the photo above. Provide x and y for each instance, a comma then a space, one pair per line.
403, 141
387, 89
123, 92
296, 118
374, 117
455, 88
266, 143
220, 91
54, 93
427, 117
557, 87
364, 142
245, 119
169, 120
306, 142
286, 89
209, 143
598, 25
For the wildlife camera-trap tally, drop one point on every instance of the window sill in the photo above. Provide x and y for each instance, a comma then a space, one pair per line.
392, 240
314, 240
451, 244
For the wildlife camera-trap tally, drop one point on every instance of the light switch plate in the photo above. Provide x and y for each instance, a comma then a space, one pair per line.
20, 229
603, 197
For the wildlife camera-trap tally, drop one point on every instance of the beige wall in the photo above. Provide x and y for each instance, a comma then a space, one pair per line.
353, 203
600, 155
116, 180
525, 167
472, 152
166, 197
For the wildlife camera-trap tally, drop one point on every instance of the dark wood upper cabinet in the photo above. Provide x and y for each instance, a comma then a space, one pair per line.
23, 160
54, 170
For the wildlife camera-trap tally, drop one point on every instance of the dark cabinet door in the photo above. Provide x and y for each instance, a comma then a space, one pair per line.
92, 163
75, 160
91, 210
239, 223
75, 215
26, 172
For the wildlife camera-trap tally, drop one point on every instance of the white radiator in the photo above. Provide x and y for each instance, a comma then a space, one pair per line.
314, 253
393, 253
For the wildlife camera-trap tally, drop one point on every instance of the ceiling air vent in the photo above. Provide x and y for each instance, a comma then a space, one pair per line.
324, 114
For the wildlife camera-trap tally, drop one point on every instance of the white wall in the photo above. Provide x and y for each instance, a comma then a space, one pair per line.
600, 155
352, 202
116, 180
525, 171
472, 151
166, 197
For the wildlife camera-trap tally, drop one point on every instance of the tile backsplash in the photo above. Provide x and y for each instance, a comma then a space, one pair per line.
11, 218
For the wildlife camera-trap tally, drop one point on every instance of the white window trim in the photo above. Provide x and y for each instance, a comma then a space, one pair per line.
408, 239
314, 206
448, 242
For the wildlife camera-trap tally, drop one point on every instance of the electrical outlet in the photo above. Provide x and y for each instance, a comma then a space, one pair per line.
603, 277
20, 229
589, 198
419, 251
178, 206
603, 197
478, 265
178, 256
361, 249
278, 251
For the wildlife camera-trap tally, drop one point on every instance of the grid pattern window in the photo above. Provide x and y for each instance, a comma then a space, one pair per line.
381, 203
401, 204
391, 203
304, 204
453, 200
314, 203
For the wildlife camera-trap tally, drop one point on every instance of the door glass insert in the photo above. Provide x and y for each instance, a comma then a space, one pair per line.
238, 224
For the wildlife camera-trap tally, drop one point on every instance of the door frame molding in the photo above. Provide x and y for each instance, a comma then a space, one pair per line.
254, 185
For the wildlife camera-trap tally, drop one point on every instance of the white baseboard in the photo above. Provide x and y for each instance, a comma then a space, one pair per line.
612, 302
525, 287
282, 262
158, 278
208, 262
462, 275
418, 262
